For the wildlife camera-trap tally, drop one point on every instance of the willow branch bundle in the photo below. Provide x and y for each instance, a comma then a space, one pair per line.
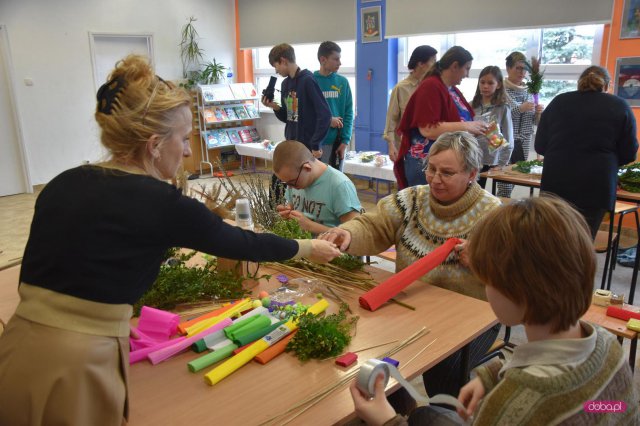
317, 397
212, 199
262, 207
340, 280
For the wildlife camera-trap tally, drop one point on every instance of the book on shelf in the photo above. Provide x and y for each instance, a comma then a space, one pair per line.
231, 114
238, 91
208, 94
245, 135
249, 90
223, 138
220, 92
211, 139
234, 136
241, 112
220, 114
255, 136
209, 116
252, 112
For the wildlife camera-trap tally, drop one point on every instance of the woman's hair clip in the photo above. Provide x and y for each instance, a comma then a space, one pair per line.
108, 92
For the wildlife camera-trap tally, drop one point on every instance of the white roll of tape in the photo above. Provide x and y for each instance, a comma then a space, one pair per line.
372, 368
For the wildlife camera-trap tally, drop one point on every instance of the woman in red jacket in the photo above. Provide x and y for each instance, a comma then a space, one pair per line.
436, 107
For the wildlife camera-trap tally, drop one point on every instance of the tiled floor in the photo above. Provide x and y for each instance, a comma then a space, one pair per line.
16, 213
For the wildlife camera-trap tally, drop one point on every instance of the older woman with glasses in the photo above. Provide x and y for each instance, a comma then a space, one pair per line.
420, 218
97, 240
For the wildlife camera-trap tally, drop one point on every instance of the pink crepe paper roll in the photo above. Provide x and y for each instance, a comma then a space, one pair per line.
386, 290
165, 353
143, 341
159, 325
140, 354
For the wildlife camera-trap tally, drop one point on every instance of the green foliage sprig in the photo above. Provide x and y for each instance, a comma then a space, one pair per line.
525, 166
322, 337
536, 77
348, 262
290, 229
629, 177
178, 283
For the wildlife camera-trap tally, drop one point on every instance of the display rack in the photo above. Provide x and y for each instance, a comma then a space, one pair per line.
226, 117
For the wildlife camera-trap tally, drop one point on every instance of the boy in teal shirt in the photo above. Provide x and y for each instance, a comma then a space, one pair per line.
319, 197
337, 92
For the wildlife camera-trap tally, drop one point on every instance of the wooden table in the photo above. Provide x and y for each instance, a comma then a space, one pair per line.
507, 175
257, 392
169, 394
598, 315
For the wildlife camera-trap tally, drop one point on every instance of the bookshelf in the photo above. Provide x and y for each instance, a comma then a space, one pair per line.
226, 114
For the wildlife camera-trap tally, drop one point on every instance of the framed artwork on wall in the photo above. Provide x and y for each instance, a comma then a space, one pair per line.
371, 24
630, 23
627, 80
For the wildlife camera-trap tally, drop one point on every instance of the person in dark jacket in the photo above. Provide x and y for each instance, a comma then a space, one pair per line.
303, 108
585, 136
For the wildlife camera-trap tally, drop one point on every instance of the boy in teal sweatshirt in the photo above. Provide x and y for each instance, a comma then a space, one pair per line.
337, 92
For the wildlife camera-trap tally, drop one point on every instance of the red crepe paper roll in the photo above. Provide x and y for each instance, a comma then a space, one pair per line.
623, 314
386, 290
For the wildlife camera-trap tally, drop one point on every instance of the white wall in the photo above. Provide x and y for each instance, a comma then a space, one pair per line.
49, 43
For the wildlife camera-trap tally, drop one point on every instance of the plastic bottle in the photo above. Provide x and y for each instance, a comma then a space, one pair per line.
229, 75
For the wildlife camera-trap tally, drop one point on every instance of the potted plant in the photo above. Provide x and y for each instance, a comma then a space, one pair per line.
190, 52
212, 73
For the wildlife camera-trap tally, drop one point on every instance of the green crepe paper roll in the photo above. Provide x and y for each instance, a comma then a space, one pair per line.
240, 324
247, 338
257, 322
211, 358
199, 346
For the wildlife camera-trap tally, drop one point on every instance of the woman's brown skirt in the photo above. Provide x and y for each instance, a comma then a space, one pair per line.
50, 375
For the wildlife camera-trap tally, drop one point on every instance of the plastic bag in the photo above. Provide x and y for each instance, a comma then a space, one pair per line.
495, 138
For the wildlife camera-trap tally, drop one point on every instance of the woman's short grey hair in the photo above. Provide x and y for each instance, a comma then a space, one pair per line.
463, 144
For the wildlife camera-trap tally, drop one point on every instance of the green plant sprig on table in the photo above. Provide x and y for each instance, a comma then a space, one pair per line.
289, 228
322, 337
177, 284
629, 177
348, 262
526, 166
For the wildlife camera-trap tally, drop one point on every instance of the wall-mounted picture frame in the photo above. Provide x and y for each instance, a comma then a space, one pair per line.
627, 80
371, 24
630, 22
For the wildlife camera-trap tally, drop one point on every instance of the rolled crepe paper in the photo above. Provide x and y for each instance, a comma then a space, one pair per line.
275, 350
235, 311
141, 354
247, 326
158, 324
386, 290
165, 353
143, 341
242, 348
246, 338
219, 338
237, 361
623, 314
211, 358
182, 328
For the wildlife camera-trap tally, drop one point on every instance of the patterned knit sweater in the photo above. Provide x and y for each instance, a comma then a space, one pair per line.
520, 398
416, 223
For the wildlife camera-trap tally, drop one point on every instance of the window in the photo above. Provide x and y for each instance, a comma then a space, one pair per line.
565, 52
306, 57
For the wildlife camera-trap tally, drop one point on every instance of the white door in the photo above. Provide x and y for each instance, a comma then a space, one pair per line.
12, 177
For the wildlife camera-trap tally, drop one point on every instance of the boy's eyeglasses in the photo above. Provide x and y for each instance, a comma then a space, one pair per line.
295, 182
